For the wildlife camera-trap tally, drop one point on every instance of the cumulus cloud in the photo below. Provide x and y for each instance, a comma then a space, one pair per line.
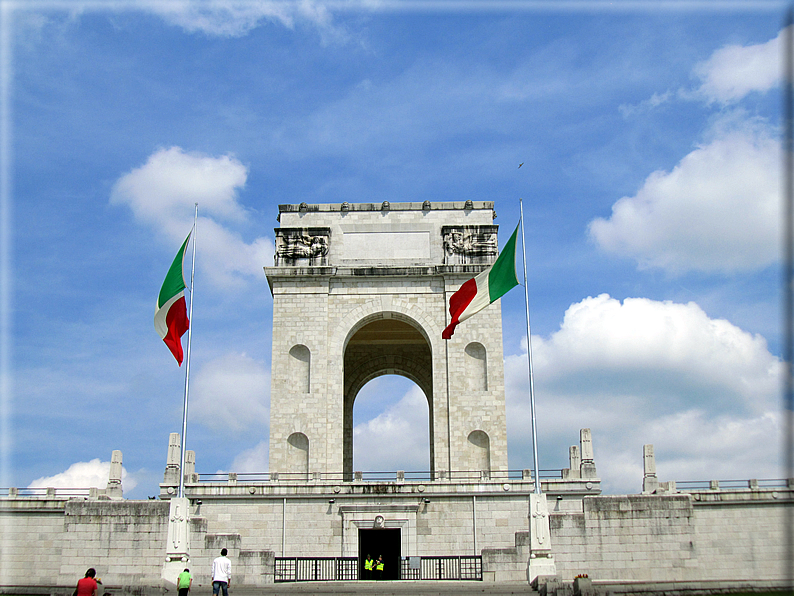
734, 71
162, 194
703, 391
84, 474
405, 423
252, 461
232, 393
716, 211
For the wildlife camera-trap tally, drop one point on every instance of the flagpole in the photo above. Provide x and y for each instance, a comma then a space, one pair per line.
187, 365
529, 358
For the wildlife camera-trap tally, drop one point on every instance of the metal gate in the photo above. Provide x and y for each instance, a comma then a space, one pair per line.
316, 569
329, 569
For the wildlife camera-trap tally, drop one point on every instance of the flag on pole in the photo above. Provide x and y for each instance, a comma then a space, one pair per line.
170, 314
487, 287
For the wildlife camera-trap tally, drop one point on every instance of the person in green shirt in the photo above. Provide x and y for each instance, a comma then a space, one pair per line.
369, 565
183, 582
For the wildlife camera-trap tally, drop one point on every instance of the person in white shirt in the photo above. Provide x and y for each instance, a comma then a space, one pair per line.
221, 574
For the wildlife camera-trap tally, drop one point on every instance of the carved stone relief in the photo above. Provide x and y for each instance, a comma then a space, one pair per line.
469, 245
302, 246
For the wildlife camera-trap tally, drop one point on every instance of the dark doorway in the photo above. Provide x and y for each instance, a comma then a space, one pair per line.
382, 542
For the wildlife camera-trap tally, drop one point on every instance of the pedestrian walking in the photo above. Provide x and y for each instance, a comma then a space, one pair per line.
221, 574
183, 582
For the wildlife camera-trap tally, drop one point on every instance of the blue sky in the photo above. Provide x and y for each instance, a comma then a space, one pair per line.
650, 142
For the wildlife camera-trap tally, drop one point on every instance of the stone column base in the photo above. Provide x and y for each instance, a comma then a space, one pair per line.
540, 566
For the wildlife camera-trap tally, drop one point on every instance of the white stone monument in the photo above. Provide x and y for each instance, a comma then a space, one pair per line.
362, 290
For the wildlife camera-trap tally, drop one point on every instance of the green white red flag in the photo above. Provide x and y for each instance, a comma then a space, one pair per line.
170, 314
487, 287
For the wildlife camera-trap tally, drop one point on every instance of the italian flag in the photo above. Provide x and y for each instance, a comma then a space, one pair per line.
170, 314
487, 287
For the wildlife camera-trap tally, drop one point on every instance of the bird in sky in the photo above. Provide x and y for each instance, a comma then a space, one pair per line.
521, 164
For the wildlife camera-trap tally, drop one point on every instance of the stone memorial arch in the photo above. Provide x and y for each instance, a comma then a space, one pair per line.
361, 290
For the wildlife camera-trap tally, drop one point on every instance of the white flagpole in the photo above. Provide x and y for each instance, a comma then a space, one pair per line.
529, 360
187, 365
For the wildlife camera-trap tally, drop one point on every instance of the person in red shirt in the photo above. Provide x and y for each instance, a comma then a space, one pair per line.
87, 586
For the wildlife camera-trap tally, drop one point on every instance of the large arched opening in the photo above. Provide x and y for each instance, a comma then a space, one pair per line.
385, 344
390, 426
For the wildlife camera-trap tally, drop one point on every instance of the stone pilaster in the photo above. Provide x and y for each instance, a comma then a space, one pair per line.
171, 476
177, 554
541, 559
114, 490
650, 482
588, 468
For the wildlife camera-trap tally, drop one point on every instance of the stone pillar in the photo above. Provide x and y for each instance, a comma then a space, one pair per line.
575, 458
190, 467
171, 476
113, 489
587, 467
541, 559
177, 550
650, 482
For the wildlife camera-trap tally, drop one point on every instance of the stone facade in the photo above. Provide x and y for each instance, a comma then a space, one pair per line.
376, 303
719, 535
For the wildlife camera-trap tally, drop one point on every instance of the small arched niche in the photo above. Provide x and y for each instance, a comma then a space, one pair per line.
300, 362
476, 367
298, 456
479, 447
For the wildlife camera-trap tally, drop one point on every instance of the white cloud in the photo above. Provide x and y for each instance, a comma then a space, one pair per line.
232, 393
162, 193
172, 181
646, 105
716, 211
252, 460
235, 18
734, 71
703, 391
90, 474
405, 425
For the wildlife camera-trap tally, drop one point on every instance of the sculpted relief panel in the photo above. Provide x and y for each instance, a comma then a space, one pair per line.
469, 245
302, 246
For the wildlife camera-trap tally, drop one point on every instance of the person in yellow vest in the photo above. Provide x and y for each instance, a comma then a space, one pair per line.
369, 565
379, 566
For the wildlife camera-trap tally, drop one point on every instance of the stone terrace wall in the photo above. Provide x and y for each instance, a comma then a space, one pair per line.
671, 538
736, 536
52, 541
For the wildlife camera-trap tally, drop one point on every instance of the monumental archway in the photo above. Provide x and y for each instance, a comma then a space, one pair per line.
384, 344
362, 290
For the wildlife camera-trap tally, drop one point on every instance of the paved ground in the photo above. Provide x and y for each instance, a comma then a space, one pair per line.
360, 588
385, 588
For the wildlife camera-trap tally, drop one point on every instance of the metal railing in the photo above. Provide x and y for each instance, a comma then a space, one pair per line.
61, 493
328, 569
380, 476
443, 568
316, 569
726, 485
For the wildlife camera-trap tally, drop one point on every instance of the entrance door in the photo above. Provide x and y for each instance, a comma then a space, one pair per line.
381, 542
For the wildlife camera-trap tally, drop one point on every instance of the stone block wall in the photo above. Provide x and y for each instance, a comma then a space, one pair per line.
734, 536
32, 537
53, 542
671, 538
